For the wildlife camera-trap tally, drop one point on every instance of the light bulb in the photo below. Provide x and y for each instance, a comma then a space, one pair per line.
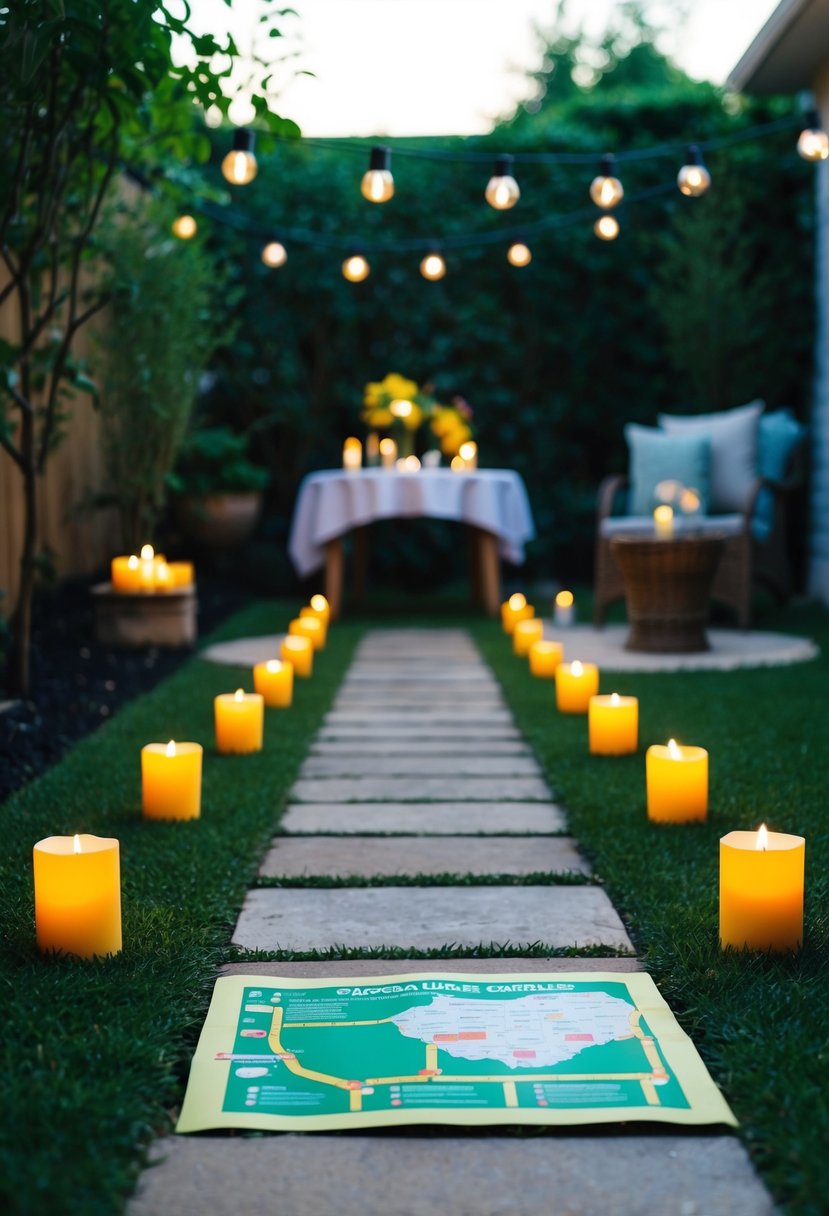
356, 268
433, 266
519, 254
502, 191
606, 190
239, 166
184, 227
693, 178
274, 254
606, 227
813, 142
378, 184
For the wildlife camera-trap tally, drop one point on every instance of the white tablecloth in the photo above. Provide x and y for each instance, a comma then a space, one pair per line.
332, 502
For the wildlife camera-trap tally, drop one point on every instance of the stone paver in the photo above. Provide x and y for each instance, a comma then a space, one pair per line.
458, 765
466, 715
432, 818
425, 918
443, 731
600, 1174
420, 789
418, 747
367, 856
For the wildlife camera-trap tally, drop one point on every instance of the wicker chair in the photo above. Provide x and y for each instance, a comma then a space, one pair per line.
745, 558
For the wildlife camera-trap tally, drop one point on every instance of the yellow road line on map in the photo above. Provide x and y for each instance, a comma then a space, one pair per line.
355, 1099
649, 1090
431, 1055
372, 1022
510, 1094
294, 1065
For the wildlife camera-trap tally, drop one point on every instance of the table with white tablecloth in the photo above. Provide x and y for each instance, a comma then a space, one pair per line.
332, 503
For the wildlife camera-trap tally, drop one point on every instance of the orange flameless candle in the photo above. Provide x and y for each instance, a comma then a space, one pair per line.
274, 680
240, 722
515, 609
576, 683
125, 574
320, 607
564, 608
78, 895
613, 724
182, 573
352, 455
545, 658
677, 782
299, 652
761, 890
171, 780
525, 634
308, 627
308, 614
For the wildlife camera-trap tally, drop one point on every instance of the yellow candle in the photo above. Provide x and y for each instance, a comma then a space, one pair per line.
352, 454
162, 577
171, 780
275, 681
525, 634
308, 614
125, 574
576, 683
545, 658
372, 448
240, 720
299, 652
78, 895
515, 609
663, 522
320, 607
677, 782
613, 725
182, 573
564, 608
761, 890
146, 568
468, 453
388, 453
308, 627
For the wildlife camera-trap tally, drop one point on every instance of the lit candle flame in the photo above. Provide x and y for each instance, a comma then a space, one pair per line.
171, 748
673, 750
239, 694
576, 668
132, 562
147, 553
273, 665
517, 601
319, 603
614, 698
564, 599
762, 838
457, 464
76, 844
468, 450
387, 447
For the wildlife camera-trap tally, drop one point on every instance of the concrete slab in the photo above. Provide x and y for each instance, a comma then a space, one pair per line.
445, 732
420, 789
455, 715
427, 818
403, 765
401, 702
325, 746
405, 966
388, 856
601, 1174
427, 918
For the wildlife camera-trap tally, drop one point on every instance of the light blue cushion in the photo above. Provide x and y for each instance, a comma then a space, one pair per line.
733, 435
657, 456
779, 435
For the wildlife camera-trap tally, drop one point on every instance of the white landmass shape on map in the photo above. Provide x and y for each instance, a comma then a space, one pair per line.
528, 1032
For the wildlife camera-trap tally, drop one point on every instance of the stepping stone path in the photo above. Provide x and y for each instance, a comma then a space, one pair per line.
418, 770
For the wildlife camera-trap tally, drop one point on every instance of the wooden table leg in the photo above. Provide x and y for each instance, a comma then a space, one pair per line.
490, 572
334, 561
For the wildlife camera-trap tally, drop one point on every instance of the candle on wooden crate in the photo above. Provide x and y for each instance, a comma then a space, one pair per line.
275, 681
125, 574
677, 782
171, 780
761, 890
240, 721
77, 883
576, 683
613, 725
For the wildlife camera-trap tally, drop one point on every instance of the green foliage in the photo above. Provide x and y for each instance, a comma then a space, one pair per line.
163, 325
214, 460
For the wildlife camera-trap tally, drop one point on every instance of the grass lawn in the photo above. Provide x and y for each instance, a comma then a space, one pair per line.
96, 1056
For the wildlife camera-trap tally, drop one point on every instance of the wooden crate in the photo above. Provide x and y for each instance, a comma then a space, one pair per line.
165, 618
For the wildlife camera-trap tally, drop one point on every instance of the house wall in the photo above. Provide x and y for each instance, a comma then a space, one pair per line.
819, 425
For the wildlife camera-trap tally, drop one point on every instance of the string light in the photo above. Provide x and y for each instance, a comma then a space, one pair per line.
693, 178
519, 254
606, 190
239, 166
274, 254
502, 191
433, 266
378, 184
356, 268
606, 227
184, 227
813, 142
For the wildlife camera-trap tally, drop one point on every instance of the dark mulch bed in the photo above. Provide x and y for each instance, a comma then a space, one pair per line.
77, 683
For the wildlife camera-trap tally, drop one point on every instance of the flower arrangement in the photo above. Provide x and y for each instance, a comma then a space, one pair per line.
401, 406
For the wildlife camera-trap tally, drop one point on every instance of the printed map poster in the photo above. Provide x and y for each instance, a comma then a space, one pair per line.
564, 1048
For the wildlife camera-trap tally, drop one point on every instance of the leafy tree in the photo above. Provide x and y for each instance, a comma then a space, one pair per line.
85, 87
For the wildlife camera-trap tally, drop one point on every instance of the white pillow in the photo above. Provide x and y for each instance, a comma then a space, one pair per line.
733, 436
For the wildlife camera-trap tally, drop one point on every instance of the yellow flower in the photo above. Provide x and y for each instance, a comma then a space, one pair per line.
377, 416
398, 386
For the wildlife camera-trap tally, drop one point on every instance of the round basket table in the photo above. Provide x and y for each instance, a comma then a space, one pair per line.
667, 589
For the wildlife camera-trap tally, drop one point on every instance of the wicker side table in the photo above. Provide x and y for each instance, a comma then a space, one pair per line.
667, 587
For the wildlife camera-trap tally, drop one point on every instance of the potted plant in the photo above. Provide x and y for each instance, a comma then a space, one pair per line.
219, 489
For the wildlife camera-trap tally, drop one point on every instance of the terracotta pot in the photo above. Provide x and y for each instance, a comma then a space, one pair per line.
220, 520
